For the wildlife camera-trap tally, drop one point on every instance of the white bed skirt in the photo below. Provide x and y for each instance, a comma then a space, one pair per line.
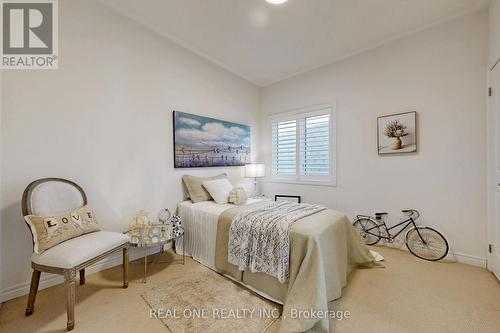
200, 229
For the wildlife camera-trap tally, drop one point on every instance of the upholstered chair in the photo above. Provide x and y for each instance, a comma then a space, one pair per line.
54, 195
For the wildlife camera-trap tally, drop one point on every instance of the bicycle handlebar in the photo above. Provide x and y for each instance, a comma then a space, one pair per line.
414, 214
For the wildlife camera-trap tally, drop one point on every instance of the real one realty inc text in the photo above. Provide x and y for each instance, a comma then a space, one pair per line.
230, 313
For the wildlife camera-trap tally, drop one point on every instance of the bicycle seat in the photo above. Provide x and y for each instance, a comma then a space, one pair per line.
380, 214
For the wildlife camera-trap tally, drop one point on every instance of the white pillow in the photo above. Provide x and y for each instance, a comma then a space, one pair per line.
219, 189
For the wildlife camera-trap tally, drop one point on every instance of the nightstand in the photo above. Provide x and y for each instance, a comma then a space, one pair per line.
157, 235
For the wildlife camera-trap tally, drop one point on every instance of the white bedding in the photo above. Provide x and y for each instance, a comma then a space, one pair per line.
200, 225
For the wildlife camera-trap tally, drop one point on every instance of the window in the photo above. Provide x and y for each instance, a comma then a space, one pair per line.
303, 146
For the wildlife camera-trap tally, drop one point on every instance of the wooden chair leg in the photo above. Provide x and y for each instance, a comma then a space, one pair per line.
69, 277
125, 268
35, 279
82, 277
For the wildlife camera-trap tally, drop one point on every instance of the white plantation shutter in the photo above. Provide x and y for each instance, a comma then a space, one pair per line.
284, 142
315, 146
303, 146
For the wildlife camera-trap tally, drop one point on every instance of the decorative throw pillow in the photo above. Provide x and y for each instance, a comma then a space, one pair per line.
194, 186
219, 189
238, 196
50, 230
89, 223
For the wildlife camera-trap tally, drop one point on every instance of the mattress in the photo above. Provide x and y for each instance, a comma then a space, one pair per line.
200, 225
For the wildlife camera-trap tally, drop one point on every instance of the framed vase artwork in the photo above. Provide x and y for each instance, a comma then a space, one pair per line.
397, 133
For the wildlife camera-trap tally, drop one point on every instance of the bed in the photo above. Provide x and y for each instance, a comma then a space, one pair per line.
324, 248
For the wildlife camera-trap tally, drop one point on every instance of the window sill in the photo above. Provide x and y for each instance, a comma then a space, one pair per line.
304, 182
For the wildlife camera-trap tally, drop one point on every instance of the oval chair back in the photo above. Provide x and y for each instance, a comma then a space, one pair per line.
52, 195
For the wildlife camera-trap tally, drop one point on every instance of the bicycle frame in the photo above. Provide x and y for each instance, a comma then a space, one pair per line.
408, 222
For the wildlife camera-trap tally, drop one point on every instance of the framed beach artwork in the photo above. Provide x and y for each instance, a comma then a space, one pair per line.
207, 142
397, 133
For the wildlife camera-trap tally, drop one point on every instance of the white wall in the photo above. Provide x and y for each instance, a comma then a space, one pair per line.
104, 119
494, 43
440, 73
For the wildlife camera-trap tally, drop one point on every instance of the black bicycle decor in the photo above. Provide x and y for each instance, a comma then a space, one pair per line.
424, 242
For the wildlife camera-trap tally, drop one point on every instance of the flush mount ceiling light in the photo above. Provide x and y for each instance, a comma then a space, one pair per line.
276, 2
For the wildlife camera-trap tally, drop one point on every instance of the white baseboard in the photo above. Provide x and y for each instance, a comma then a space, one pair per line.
467, 259
49, 280
452, 255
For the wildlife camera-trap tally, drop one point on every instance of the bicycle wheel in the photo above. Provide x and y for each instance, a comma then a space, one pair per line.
433, 247
368, 230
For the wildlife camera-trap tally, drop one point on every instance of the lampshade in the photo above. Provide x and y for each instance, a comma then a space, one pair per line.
255, 170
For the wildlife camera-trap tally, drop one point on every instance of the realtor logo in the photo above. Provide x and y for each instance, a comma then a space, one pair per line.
29, 34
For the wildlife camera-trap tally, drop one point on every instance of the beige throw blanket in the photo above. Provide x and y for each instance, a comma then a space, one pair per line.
259, 240
324, 248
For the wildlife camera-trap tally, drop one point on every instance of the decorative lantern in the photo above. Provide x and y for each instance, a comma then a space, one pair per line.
141, 220
140, 227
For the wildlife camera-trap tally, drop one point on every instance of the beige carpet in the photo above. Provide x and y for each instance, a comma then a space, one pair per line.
409, 295
205, 301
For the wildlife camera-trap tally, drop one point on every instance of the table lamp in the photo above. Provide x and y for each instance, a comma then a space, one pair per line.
255, 170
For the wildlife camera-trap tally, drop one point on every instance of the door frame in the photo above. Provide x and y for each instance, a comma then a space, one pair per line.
492, 187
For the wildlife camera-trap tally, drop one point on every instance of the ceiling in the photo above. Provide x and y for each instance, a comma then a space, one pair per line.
265, 43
